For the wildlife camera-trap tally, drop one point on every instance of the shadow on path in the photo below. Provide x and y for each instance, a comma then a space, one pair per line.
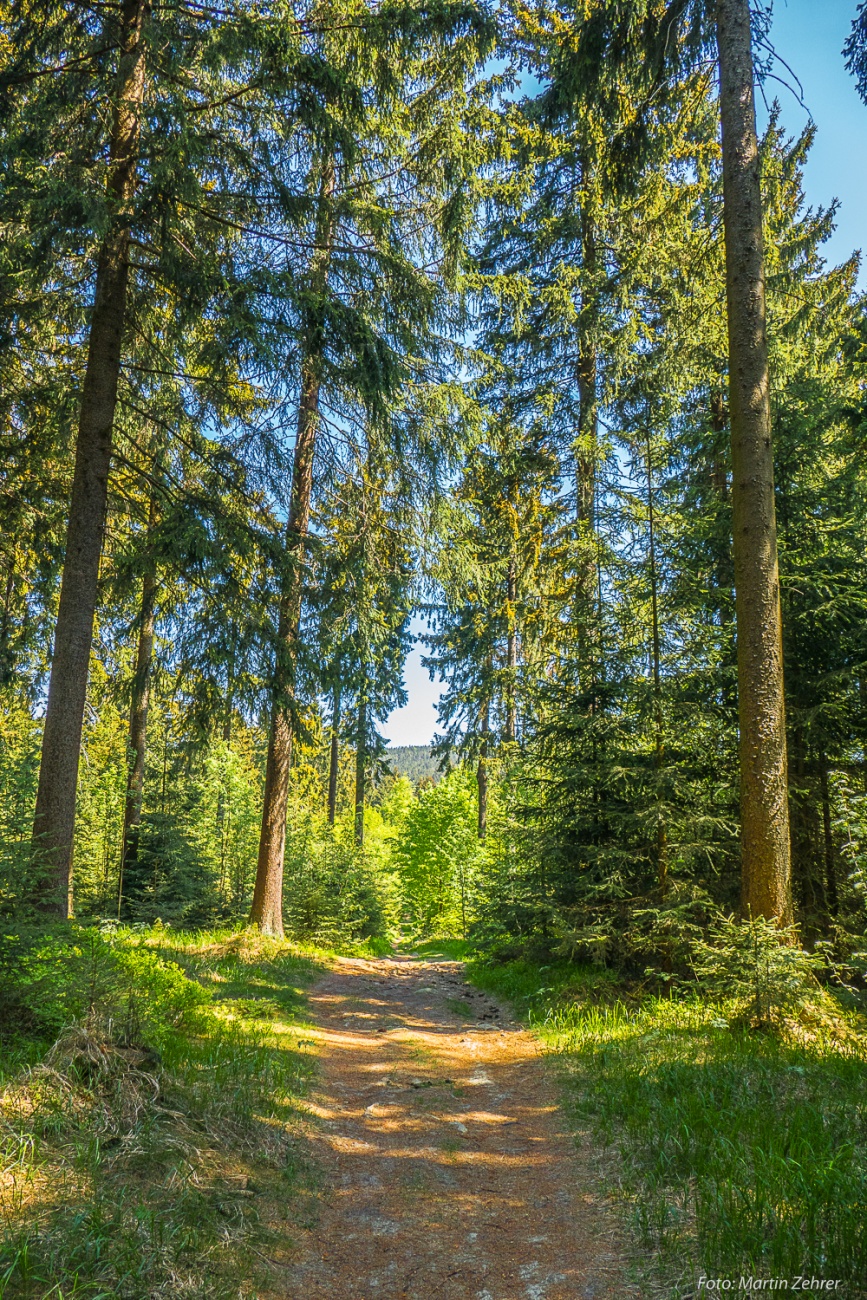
449, 1174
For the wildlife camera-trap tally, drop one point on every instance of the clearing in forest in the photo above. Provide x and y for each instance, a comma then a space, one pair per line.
448, 1172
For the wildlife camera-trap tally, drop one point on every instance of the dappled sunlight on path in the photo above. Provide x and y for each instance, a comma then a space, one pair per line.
448, 1173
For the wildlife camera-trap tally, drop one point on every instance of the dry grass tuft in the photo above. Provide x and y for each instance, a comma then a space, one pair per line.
128, 1171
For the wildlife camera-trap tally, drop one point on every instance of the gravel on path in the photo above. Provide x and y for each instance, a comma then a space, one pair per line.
448, 1173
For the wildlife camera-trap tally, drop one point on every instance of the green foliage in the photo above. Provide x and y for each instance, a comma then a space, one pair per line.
762, 970
333, 894
58, 977
447, 949
533, 988
624, 796
850, 936
168, 880
101, 799
19, 770
751, 1140
134, 1149
437, 855
195, 851
413, 761
223, 824
506, 313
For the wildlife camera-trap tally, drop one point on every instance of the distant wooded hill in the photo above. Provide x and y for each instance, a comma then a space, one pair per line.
413, 761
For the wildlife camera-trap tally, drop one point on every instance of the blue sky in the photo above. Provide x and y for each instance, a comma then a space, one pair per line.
808, 35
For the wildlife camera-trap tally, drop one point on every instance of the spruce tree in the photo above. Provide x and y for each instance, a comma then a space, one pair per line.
168, 243
650, 49
58, 776
371, 300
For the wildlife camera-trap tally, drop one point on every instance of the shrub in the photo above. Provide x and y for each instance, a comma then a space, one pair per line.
333, 894
168, 878
760, 967
54, 977
438, 854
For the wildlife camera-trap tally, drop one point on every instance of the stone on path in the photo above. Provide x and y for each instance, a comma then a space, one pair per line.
448, 1171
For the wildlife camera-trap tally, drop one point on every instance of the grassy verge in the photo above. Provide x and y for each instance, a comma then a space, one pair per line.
739, 1154
157, 1149
439, 949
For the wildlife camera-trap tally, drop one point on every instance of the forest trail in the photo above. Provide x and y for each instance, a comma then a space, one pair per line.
448, 1172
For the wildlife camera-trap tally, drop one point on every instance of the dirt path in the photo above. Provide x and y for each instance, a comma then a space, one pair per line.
448, 1173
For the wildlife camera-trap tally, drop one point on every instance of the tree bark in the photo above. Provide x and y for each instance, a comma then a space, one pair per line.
482, 777
360, 770
586, 451
718, 474
831, 896
511, 729
588, 417
658, 721
138, 716
267, 909
54, 821
723, 575
765, 849
334, 757
6, 658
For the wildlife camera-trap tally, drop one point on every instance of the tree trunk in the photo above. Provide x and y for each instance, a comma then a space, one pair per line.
723, 576
588, 417
588, 578
511, 651
766, 866
718, 475
6, 658
267, 909
334, 757
54, 821
360, 770
831, 896
482, 778
659, 732
138, 716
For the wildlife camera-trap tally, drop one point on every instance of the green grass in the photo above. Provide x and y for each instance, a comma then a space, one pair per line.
461, 1007
738, 1153
166, 1167
439, 949
534, 989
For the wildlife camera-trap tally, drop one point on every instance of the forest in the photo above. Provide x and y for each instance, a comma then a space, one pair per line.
333, 327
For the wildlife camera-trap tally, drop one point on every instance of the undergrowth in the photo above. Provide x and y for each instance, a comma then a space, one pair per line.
740, 1152
155, 1149
438, 949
